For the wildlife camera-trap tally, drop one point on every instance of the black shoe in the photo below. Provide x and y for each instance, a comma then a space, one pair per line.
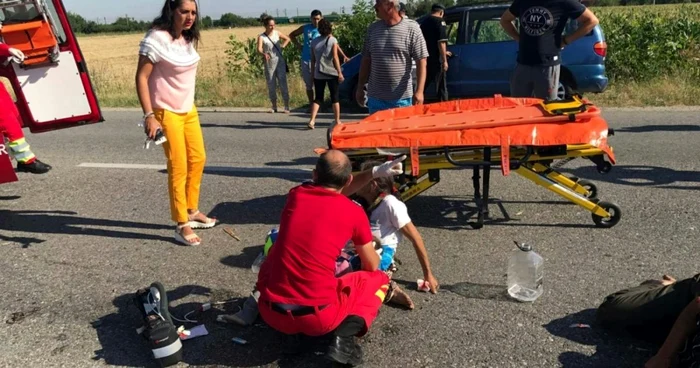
36, 167
345, 350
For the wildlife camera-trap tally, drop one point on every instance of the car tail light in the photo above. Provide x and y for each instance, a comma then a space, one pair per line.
600, 48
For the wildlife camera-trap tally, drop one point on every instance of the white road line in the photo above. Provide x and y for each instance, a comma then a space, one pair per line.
223, 169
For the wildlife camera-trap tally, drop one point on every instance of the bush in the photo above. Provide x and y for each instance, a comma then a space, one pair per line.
644, 43
350, 30
243, 60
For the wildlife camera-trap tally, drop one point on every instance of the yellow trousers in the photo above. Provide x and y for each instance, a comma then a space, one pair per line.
186, 157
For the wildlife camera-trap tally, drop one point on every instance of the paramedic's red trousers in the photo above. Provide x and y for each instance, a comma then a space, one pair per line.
360, 294
9, 117
11, 128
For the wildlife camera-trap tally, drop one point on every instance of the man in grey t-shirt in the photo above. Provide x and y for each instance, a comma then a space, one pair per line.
391, 44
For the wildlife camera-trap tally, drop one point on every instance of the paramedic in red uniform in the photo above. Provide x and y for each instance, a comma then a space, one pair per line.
10, 126
299, 293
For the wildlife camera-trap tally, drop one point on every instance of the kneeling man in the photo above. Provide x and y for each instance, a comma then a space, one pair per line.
299, 293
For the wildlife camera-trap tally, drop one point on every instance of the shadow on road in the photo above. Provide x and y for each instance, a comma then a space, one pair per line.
641, 176
263, 210
65, 222
612, 350
245, 259
660, 128
25, 242
249, 125
121, 345
457, 213
293, 175
297, 161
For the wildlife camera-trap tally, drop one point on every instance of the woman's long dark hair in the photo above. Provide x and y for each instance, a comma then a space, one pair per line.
165, 21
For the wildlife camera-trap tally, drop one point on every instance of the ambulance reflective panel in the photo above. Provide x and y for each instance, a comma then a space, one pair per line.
51, 87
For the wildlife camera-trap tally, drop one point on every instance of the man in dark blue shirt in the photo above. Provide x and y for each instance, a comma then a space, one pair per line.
540, 41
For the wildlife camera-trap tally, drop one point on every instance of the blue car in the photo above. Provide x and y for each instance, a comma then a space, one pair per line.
484, 58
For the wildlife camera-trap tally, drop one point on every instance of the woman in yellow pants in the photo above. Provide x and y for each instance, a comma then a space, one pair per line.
165, 83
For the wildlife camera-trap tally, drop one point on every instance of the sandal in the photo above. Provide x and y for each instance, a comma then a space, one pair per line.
195, 224
187, 240
310, 125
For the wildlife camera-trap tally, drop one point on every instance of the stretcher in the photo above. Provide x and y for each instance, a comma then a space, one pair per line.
36, 38
528, 136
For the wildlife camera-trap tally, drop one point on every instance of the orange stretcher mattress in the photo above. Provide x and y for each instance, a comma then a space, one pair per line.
498, 121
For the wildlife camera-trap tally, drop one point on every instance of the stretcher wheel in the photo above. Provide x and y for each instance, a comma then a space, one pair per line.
604, 168
590, 187
615, 215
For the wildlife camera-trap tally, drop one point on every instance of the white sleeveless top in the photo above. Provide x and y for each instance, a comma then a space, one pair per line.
271, 47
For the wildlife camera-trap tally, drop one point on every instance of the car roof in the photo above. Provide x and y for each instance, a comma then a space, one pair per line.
460, 8
486, 5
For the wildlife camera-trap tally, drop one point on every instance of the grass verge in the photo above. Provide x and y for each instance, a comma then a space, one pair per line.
220, 91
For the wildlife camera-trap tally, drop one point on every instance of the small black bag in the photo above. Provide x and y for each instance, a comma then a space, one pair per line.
158, 328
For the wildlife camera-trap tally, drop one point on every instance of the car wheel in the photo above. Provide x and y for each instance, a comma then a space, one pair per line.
564, 91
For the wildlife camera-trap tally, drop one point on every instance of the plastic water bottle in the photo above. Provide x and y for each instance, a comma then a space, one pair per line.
269, 241
258, 262
525, 274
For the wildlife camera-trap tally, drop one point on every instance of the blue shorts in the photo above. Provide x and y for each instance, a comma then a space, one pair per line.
375, 105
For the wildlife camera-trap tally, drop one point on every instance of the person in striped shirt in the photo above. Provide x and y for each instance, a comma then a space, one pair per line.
391, 44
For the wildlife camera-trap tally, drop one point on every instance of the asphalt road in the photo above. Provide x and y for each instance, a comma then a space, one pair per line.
78, 242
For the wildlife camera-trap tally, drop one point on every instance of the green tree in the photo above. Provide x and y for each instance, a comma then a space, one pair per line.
350, 30
77, 22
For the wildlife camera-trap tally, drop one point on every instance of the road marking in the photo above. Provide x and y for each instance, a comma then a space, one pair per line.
221, 169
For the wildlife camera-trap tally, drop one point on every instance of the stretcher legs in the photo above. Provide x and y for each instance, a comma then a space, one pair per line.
482, 202
604, 214
534, 166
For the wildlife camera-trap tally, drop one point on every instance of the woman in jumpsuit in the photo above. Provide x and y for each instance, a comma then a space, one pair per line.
270, 47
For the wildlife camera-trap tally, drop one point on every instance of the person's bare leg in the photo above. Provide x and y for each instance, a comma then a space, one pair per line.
314, 113
336, 112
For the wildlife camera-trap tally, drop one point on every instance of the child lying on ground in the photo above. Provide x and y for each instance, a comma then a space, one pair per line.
389, 221
664, 311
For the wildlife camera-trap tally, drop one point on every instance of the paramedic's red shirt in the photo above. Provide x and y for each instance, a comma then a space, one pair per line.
315, 226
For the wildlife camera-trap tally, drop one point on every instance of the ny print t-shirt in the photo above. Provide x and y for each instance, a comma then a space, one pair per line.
542, 23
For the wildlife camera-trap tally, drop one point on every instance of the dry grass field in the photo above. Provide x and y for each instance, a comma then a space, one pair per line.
112, 61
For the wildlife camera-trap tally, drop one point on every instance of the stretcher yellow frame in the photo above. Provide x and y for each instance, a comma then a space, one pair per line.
532, 163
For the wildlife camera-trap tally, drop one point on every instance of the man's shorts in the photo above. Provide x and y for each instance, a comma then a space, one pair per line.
375, 105
535, 81
306, 75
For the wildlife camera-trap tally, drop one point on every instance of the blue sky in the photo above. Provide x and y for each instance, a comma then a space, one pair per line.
148, 9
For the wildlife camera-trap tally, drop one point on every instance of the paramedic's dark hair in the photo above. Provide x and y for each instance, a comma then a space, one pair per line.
315, 13
165, 21
324, 27
386, 185
332, 173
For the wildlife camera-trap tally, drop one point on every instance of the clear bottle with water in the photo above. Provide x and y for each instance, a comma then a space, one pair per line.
258, 262
525, 274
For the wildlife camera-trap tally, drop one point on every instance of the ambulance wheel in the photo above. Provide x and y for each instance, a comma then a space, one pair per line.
590, 187
615, 215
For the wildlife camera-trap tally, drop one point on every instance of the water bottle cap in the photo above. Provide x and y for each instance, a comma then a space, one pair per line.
523, 246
